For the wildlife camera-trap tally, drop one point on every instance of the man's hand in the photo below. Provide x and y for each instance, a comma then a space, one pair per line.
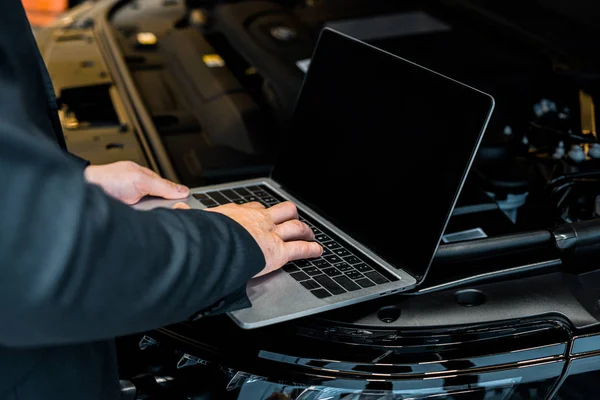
277, 230
129, 182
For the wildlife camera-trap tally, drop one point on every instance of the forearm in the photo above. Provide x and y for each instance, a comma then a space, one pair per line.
79, 266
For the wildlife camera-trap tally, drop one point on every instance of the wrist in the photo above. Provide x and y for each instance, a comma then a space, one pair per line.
90, 173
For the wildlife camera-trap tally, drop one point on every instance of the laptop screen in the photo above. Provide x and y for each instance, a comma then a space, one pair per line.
380, 147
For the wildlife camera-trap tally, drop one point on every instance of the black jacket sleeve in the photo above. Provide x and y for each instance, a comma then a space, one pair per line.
76, 265
79, 266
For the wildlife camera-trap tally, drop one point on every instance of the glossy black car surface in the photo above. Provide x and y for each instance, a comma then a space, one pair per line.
202, 91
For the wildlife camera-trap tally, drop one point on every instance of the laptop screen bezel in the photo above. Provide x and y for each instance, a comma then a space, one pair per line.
332, 33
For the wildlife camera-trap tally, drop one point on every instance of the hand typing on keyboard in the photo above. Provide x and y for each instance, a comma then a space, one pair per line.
277, 230
337, 270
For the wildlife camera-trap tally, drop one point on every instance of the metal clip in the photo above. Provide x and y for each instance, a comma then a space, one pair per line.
147, 342
188, 361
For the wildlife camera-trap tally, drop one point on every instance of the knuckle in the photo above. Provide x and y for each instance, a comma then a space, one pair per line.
139, 184
128, 164
147, 172
298, 225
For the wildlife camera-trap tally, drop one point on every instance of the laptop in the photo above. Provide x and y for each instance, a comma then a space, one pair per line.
375, 158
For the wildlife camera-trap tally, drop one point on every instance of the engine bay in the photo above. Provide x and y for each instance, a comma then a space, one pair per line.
220, 84
218, 81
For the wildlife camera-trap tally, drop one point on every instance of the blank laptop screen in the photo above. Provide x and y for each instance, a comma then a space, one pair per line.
379, 146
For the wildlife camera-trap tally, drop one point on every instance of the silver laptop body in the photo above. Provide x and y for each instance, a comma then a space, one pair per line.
297, 290
278, 297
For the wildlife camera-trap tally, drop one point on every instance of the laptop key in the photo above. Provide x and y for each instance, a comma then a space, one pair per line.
251, 198
262, 194
363, 267
376, 277
219, 198
354, 275
332, 245
312, 271
329, 284
352, 260
321, 237
300, 276
242, 192
316, 231
209, 202
230, 194
303, 263
254, 188
275, 196
321, 263
310, 285
240, 201
331, 271
333, 259
342, 252
200, 196
321, 293
346, 283
326, 252
343, 267
289, 267
364, 282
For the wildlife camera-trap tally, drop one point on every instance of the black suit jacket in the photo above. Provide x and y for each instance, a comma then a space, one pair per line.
78, 268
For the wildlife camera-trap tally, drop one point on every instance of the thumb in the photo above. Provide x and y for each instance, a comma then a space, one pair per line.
160, 187
181, 206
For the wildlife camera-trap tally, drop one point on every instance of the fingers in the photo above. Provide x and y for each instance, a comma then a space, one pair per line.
152, 184
181, 206
282, 212
294, 230
298, 240
298, 250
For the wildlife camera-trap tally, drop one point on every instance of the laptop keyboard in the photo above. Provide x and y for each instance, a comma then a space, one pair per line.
337, 271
